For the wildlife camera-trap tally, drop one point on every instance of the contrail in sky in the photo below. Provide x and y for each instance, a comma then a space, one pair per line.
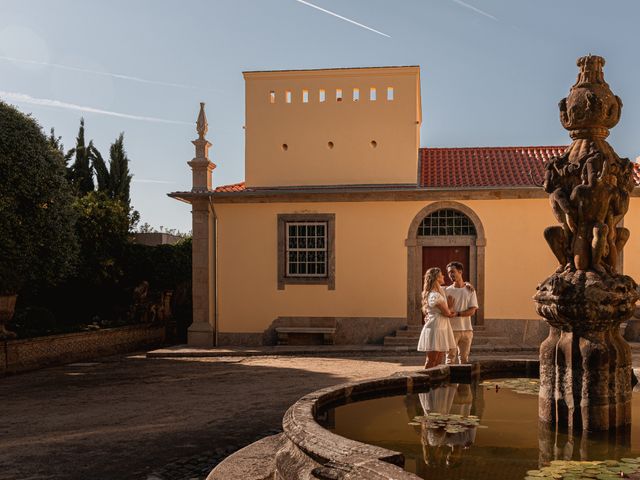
342, 18
477, 10
23, 98
96, 72
148, 180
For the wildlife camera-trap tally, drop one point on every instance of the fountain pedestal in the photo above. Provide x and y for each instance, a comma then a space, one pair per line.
585, 364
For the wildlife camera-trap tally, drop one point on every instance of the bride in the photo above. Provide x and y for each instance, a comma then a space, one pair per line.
436, 337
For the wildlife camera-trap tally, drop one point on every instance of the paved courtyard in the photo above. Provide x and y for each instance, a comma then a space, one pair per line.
132, 417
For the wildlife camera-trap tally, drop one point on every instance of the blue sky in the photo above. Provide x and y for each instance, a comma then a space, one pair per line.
492, 71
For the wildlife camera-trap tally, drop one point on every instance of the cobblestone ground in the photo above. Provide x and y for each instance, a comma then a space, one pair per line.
195, 467
129, 417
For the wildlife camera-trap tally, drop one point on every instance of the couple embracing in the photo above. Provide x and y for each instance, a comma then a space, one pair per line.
447, 331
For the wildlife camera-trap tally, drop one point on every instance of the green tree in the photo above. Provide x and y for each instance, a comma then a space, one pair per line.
103, 231
116, 180
37, 238
56, 142
80, 173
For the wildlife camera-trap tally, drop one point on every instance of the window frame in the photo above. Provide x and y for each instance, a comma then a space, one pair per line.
286, 218
444, 222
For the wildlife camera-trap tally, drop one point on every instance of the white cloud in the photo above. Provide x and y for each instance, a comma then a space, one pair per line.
46, 102
97, 72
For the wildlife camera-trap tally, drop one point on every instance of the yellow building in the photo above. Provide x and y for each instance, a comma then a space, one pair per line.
341, 213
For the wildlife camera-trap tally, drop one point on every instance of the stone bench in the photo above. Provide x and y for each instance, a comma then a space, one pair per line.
328, 333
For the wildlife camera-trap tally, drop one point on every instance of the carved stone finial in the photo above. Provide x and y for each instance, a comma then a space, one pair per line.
590, 109
201, 165
202, 126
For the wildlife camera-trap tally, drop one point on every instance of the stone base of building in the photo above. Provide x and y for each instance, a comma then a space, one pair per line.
372, 330
201, 335
529, 332
348, 331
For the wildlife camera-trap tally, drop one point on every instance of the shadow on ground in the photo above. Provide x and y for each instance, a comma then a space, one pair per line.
129, 417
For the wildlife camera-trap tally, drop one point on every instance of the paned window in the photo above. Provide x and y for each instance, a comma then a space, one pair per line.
306, 249
306, 252
446, 222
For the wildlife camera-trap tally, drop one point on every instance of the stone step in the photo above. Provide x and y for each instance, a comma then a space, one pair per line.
415, 333
400, 341
413, 340
407, 333
489, 340
419, 327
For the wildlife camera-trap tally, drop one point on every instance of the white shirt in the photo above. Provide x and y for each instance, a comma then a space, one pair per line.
463, 299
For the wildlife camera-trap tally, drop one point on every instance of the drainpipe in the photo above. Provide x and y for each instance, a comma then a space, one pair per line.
214, 266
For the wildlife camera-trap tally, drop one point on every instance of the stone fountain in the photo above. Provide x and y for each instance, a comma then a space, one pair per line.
585, 364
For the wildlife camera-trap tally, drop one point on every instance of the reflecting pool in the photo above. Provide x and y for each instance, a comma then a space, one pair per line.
484, 430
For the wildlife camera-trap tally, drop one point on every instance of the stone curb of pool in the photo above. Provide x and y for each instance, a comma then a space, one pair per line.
312, 452
306, 450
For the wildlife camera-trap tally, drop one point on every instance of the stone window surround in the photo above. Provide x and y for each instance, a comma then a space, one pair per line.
329, 279
414, 245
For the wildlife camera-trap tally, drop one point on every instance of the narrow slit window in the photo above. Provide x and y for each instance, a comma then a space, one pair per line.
305, 96
272, 97
372, 94
356, 94
322, 95
287, 96
390, 93
338, 94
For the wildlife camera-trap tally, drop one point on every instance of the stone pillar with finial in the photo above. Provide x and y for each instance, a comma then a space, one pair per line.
202, 331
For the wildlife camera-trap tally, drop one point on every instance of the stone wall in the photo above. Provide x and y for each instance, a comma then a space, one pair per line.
524, 332
33, 353
349, 330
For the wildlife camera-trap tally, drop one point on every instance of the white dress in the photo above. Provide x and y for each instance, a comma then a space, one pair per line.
436, 335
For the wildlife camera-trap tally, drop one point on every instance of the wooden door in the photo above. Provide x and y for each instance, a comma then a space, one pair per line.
441, 256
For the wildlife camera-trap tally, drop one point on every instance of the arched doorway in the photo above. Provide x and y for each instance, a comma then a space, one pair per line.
439, 233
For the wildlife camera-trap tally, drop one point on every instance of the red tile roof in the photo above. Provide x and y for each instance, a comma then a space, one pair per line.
476, 167
236, 187
484, 166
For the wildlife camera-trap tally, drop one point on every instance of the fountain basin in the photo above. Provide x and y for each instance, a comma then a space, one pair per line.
313, 452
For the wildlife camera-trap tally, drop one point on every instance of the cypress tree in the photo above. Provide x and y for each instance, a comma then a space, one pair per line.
81, 173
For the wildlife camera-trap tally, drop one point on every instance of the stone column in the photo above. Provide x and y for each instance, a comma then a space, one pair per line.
202, 332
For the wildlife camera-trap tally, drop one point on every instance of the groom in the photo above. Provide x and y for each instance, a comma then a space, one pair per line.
462, 299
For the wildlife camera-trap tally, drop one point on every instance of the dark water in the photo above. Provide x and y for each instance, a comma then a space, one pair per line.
511, 444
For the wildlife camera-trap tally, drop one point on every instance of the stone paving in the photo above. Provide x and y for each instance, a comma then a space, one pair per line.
196, 467
132, 417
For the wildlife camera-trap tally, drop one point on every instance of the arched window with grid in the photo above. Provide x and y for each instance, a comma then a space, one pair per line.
446, 222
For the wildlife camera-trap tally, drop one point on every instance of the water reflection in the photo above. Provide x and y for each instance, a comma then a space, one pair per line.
440, 446
511, 444
555, 443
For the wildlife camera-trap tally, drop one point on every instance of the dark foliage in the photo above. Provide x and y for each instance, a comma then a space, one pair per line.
116, 180
107, 301
80, 173
37, 238
66, 246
